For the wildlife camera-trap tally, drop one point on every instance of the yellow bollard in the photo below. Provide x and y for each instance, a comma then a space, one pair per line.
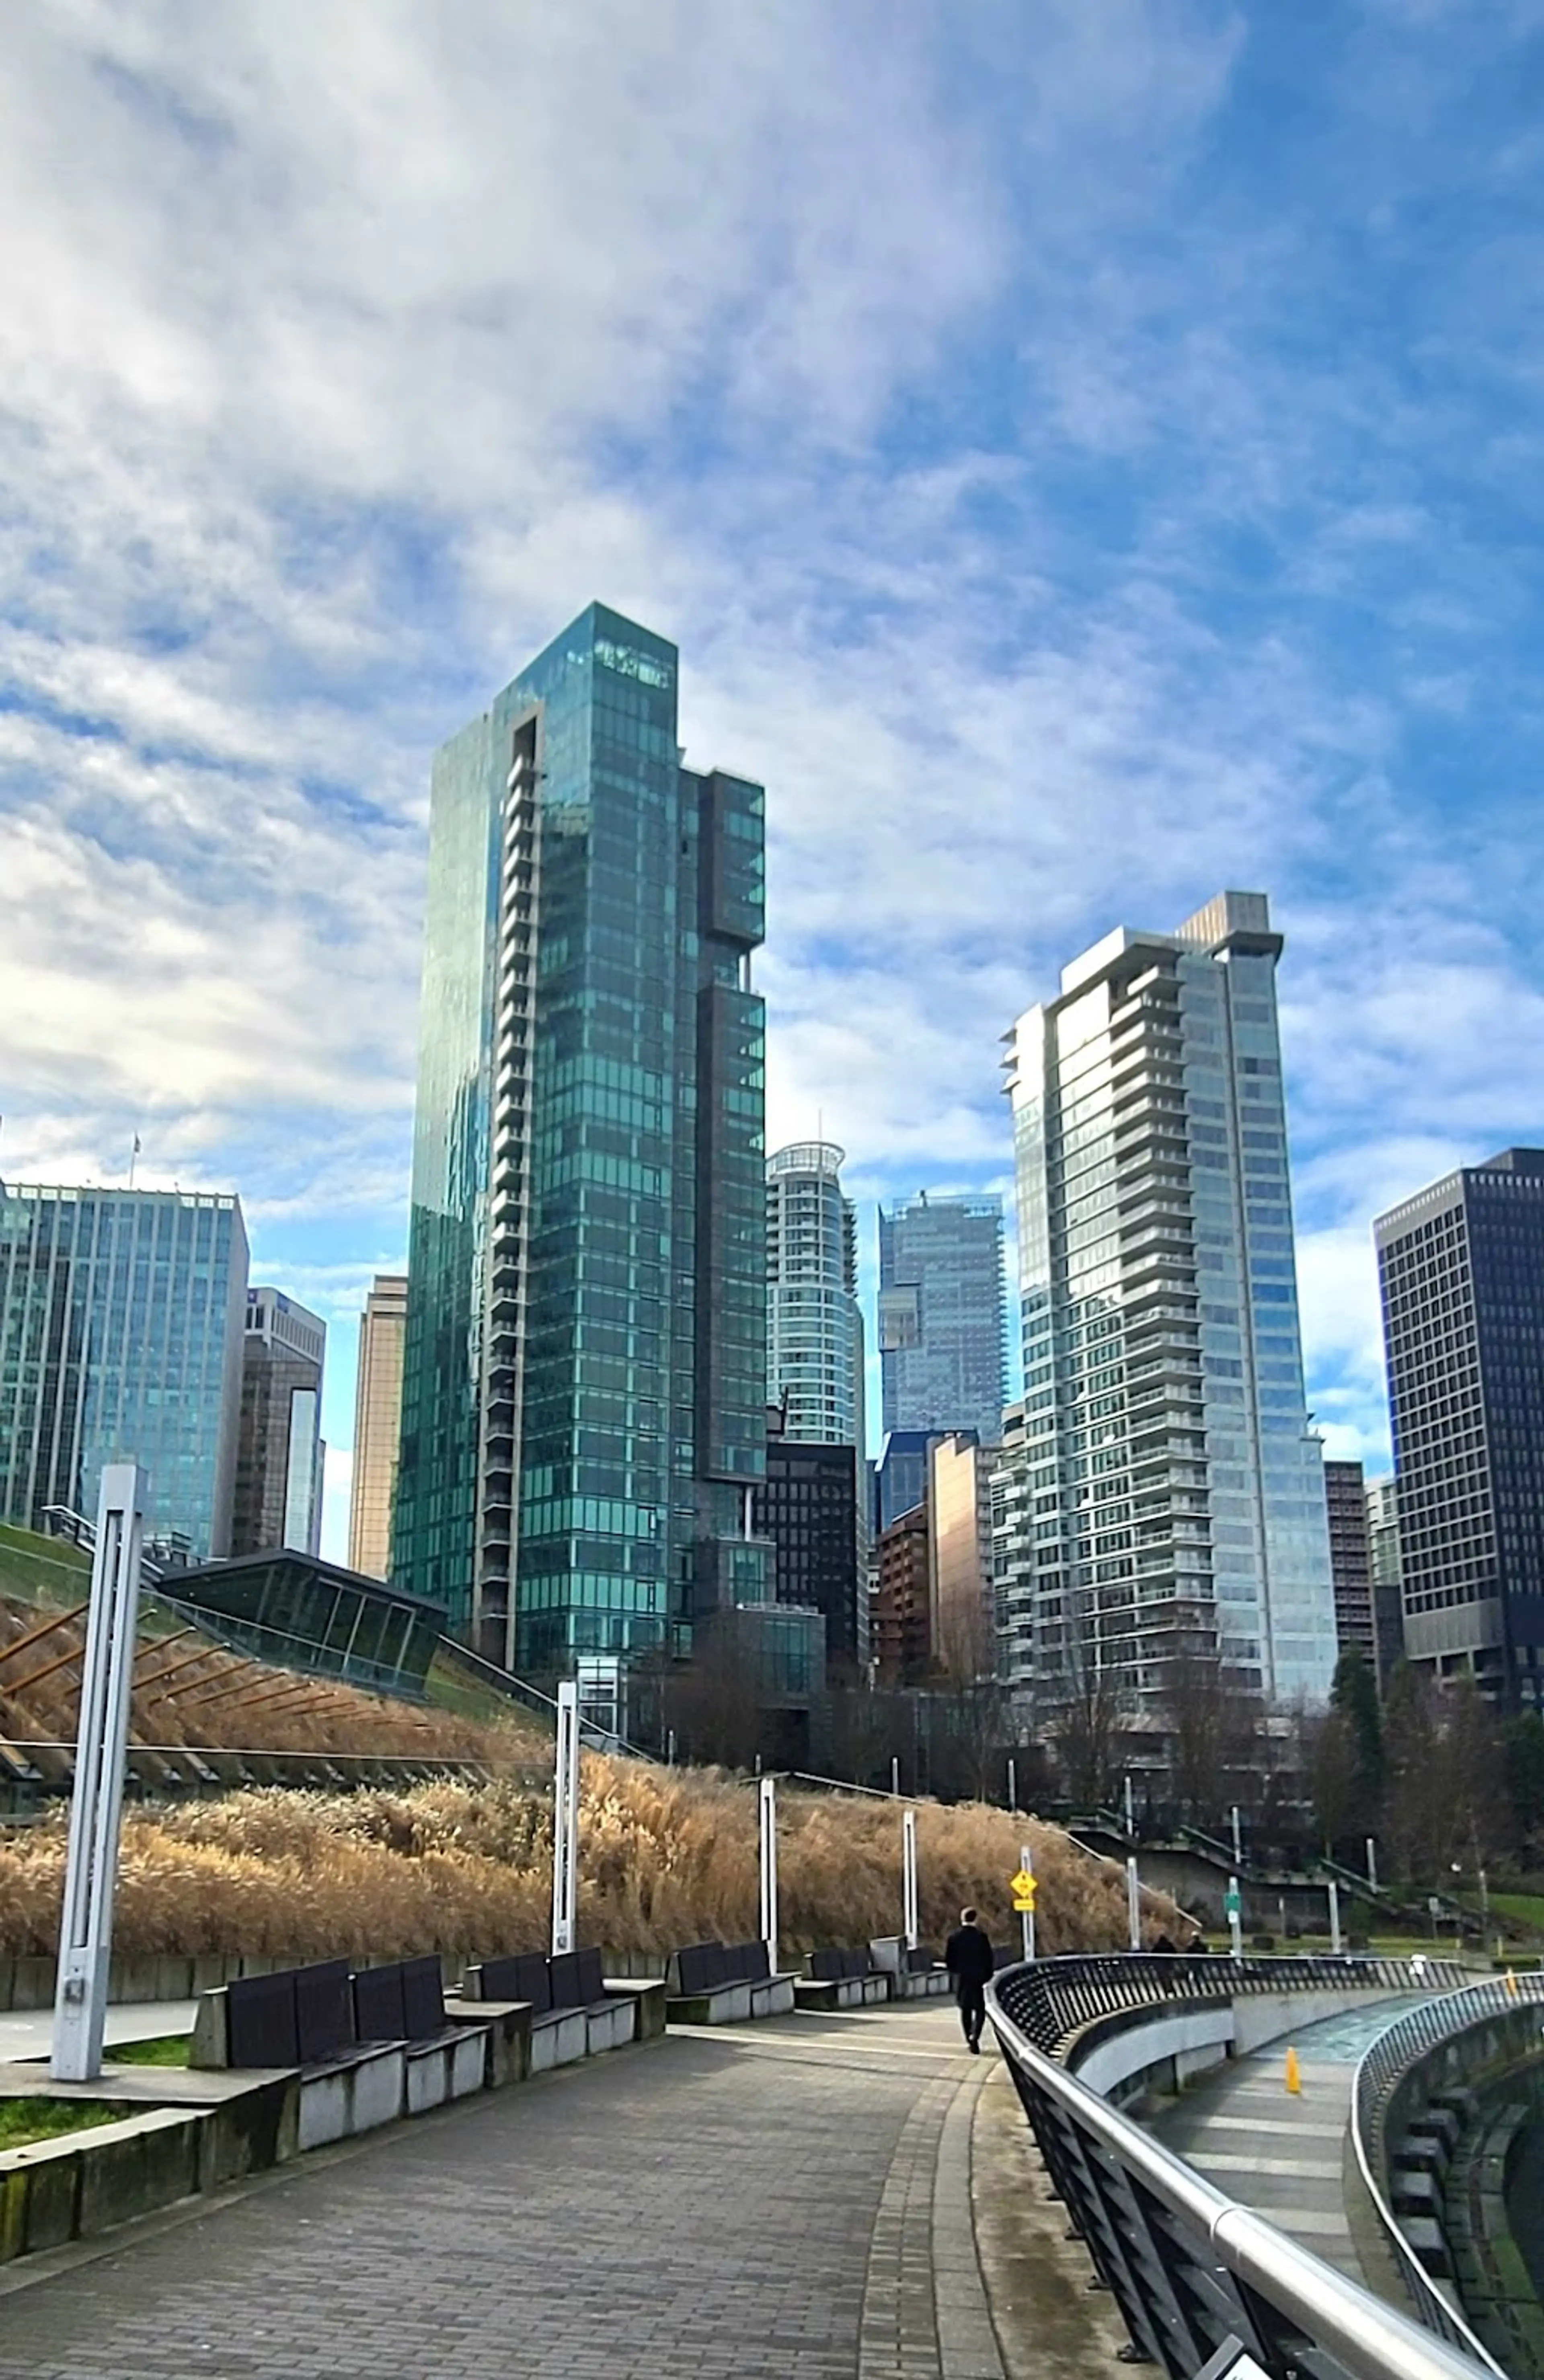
1512, 1982
1294, 2078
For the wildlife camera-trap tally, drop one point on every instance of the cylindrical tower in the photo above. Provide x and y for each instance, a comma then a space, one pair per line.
814, 1324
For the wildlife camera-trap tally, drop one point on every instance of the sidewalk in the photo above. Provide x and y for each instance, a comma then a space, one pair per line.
789, 2202
30, 2033
1282, 2153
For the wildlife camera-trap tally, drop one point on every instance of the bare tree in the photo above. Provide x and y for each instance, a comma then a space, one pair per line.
1086, 1718
1212, 1724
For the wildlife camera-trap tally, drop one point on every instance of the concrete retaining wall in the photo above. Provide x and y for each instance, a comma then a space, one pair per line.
1163, 2051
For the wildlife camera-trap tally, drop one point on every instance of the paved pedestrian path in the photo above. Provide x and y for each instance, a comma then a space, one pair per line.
782, 2202
1284, 2153
29, 2033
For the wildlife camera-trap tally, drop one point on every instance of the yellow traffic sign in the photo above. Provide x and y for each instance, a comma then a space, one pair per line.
1024, 1909
1022, 1887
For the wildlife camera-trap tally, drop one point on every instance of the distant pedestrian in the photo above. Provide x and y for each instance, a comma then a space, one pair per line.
969, 1957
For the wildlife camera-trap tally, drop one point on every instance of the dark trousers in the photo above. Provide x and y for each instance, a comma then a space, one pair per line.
972, 1999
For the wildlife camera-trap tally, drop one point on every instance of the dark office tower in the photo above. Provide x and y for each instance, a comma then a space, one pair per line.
584, 1372
279, 1454
120, 1341
942, 1330
1351, 1561
1462, 1270
1387, 1599
901, 1473
810, 1510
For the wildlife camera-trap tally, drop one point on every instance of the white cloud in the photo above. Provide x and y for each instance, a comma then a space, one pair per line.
1028, 492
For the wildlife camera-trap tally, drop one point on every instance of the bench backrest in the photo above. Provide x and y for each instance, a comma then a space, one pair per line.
294, 2018
838, 1966
522, 1977
379, 2013
706, 1966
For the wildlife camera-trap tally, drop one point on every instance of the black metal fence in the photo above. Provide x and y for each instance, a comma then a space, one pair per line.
1192, 2271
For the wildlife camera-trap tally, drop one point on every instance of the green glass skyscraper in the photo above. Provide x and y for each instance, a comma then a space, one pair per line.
584, 1373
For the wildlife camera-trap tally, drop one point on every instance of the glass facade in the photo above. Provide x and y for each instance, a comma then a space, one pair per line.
279, 1456
942, 1326
1168, 1500
814, 1321
583, 1402
810, 1508
122, 1317
1462, 1273
301, 1613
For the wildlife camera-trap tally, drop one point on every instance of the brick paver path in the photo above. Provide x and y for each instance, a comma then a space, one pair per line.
784, 2201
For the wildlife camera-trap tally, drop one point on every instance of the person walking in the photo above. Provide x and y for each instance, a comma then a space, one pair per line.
969, 1957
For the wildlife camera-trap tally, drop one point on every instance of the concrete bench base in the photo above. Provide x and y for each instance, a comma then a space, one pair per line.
734, 2003
932, 1984
821, 1995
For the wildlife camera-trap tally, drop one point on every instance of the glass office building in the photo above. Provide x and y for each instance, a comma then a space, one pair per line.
584, 1369
1462, 1271
942, 1324
814, 1321
122, 1317
1164, 1467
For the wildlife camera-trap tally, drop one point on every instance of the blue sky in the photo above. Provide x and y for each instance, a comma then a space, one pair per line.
1089, 452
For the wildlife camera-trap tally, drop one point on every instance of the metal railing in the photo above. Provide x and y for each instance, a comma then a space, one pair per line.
1056, 1997
1191, 2270
1382, 2068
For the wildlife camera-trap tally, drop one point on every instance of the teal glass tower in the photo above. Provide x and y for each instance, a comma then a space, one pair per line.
584, 1373
122, 1314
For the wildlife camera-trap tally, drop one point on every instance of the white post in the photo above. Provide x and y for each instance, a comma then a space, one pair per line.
1372, 1863
911, 1923
1334, 1917
1012, 1783
1236, 1916
895, 1775
1026, 1862
767, 1794
1237, 1838
565, 1820
1133, 1904
90, 1875
1130, 1819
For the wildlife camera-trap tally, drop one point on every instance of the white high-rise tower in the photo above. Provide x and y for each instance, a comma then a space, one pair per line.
1166, 1502
814, 1321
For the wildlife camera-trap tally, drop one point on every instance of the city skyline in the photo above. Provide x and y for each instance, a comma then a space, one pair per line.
1153, 472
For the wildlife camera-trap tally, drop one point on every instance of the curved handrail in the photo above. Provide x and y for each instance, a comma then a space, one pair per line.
1053, 1998
1355, 2331
1379, 2068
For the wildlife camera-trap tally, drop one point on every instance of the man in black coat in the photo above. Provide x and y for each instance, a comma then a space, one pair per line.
969, 1957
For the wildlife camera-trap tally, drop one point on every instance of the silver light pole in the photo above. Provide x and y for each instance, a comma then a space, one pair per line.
910, 1919
1133, 1904
767, 1813
96, 1809
565, 1820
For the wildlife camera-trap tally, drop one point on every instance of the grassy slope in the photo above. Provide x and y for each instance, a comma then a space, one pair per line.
44, 2120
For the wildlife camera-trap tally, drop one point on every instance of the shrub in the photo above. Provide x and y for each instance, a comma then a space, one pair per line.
667, 1857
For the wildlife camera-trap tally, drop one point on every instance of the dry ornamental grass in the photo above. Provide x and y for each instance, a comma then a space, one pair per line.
667, 1857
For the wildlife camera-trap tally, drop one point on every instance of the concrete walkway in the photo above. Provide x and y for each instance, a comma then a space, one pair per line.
30, 2033
783, 2202
1283, 2154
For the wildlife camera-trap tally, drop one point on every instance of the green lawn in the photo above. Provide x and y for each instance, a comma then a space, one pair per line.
42, 1569
1523, 1908
169, 2049
46, 2119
